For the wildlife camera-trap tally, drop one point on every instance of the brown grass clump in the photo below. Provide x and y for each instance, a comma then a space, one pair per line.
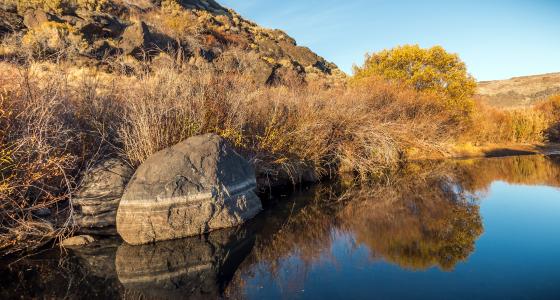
282, 129
507, 126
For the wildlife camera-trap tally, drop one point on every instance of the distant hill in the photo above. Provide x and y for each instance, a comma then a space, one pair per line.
519, 91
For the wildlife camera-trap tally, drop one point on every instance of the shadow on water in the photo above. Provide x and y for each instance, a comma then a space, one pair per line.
427, 216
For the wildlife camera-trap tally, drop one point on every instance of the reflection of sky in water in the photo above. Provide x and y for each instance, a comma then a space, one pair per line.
517, 257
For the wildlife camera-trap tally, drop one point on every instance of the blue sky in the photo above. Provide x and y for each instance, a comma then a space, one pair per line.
497, 39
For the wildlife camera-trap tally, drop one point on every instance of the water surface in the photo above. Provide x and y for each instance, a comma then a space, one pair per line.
472, 229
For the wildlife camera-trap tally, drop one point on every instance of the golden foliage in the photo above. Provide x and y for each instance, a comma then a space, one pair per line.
433, 70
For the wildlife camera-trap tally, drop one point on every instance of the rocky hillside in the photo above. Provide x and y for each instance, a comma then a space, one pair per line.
519, 91
201, 32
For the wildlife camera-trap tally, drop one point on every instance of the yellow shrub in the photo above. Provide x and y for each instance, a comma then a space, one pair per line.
432, 70
53, 36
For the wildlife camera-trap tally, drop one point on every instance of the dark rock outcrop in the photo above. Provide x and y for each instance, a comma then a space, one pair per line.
194, 187
97, 26
97, 201
10, 22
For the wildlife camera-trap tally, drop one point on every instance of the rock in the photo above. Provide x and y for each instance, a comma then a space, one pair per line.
101, 49
97, 201
42, 212
250, 64
99, 25
136, 38
10, 22
76, 241
192, 188
193, 268
34, 18
138, 41
208, 5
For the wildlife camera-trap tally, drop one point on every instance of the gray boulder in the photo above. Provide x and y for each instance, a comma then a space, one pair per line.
192, 188
97, 201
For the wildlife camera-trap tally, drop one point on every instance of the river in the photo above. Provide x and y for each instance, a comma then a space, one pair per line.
463, 229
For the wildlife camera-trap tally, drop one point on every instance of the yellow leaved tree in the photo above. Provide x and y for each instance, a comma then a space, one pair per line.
432, 70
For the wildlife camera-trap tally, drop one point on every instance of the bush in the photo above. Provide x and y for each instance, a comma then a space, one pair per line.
551, 110
431, 70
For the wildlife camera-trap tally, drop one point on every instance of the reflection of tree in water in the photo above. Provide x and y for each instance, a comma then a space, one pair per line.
417, 222
478, 174
426, 216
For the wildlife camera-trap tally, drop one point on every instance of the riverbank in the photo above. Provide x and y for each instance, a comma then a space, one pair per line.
466, 151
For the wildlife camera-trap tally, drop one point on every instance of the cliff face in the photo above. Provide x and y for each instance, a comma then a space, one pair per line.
91, 32
519, 91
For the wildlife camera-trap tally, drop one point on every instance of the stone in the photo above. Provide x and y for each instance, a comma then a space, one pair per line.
192, 188
10, 22
97, 201
76, 241
42, 212
34, 18
100, 25
137, 40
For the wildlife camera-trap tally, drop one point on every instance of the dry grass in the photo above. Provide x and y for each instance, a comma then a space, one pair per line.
524, 125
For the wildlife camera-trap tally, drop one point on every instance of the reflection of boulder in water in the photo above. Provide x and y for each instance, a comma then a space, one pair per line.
198, 267
98, 258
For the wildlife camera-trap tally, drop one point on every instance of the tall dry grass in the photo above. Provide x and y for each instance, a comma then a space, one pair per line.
535, 124
366, 129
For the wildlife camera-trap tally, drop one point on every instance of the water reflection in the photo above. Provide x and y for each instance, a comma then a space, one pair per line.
427, 217
198, 268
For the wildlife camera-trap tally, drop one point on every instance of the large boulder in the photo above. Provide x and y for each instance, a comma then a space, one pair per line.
97, 201
192, 188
